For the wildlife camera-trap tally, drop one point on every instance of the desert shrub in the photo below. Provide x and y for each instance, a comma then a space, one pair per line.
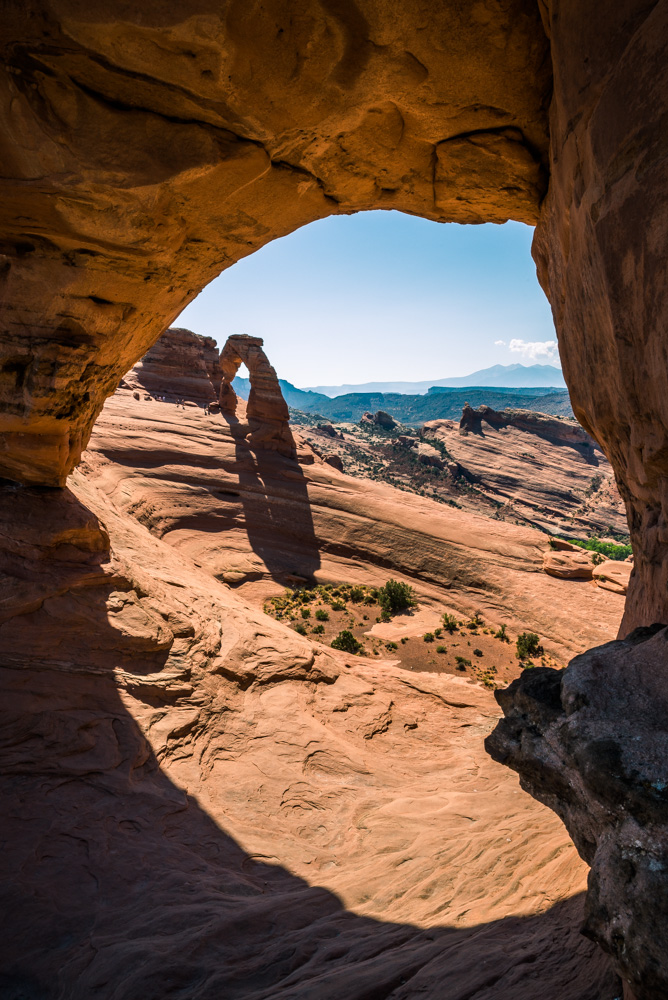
501, 634
428, 637
449, 623
300, 628
338, 606
396, 596
391, 645
528, 644
477, 652
318, 629
528, 665
462, 662
438, 632
385, 616
346, 641
369, 599
356, 594
608, 549
306, 612
441, 649
322, 615
404, 640
476, 621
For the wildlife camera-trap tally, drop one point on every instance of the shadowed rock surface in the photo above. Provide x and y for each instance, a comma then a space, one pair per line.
591, 743
145, 150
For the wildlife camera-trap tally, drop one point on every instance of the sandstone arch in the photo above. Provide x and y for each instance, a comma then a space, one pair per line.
144, 153
266, 412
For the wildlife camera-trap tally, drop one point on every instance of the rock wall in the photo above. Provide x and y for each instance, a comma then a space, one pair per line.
600, 252
590, 742
144, 153
180, 365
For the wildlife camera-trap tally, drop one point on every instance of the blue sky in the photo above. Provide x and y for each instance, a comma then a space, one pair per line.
381, 296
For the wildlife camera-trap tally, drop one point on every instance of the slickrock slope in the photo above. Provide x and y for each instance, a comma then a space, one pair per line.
247, 515
198, 803
546, 471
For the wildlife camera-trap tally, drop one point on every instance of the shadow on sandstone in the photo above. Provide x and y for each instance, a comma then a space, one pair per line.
116, 884
277, 514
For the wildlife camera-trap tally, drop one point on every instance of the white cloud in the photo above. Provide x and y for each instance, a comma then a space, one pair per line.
538, 351
499, 343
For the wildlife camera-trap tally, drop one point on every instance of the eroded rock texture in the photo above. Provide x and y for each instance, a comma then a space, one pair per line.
144, 153
180, 365
591, 742
600, 251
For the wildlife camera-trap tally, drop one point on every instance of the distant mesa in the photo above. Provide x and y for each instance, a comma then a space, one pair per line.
515, 376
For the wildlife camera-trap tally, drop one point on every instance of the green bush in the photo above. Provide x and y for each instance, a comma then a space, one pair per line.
438, 632
385, 616
318, 629
322, 615
356, 594
338, 606
428, 637
450, 623
501, 634
608, 549
404, 640
462, 662
396, 596
441, 649
476, 621
306, 612
300, 628
391, 645
528, 644
346, 641
477, 652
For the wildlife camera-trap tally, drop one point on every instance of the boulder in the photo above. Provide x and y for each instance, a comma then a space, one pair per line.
590, 742
613, 575
577, 564
379, 419
330, 431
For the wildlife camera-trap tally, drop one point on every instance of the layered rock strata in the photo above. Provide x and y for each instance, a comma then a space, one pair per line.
180, 365
591, 743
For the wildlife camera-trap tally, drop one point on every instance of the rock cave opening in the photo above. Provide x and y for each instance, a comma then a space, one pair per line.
145, 152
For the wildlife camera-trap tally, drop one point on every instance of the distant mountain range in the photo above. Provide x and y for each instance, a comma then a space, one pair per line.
514, 376
445, 402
